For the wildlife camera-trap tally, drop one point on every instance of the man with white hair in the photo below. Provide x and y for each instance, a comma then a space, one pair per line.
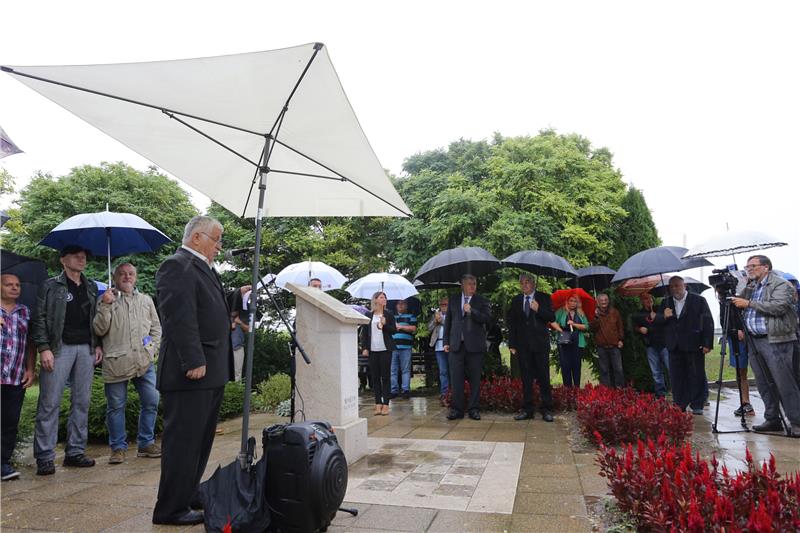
195, 362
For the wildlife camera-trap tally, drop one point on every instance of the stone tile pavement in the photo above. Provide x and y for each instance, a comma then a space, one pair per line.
553, 487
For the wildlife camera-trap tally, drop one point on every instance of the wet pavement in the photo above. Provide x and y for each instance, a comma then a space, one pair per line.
554, 488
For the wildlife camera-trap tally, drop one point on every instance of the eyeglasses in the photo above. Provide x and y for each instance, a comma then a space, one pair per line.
217, 241
751, 267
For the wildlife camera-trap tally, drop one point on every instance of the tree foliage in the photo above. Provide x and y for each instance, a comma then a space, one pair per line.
47, 201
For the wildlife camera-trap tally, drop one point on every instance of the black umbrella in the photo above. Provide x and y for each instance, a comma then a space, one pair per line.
654, 261
31, 273
541, 263
422, 286
594, 278
450, 265
413, 303
692, 285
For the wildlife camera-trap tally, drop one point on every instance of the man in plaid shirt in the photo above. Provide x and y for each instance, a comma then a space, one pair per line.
17, 369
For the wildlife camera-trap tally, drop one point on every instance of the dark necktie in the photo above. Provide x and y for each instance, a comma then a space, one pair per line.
527, 305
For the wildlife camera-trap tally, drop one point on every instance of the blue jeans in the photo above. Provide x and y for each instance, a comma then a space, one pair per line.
655, 359
444, 372
117, 396
401, 362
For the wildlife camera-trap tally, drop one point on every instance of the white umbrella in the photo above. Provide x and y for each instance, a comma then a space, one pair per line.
734, 242
302, 273
395, 286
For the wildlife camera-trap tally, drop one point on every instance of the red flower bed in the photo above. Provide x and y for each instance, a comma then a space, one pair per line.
503, 393
625, 415
665, 488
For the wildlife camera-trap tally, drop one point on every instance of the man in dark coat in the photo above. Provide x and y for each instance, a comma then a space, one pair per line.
689, 336
528, 321
465, 343
195, 362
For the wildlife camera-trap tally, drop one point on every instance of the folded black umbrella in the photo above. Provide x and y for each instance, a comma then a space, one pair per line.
31, 273
593, 278
542, 263
236, 498
450, 265
658, 260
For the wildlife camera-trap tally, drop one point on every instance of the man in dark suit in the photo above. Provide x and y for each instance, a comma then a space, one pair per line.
195, 362
465, 343
689, 336
528, 321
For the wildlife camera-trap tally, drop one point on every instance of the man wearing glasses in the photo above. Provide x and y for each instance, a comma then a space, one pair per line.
770, 320
195, 362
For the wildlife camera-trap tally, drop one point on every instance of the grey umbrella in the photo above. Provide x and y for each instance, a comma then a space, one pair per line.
450, 265
654, 261
542, 263
594, 278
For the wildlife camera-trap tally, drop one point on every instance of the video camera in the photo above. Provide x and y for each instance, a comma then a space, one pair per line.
724, 282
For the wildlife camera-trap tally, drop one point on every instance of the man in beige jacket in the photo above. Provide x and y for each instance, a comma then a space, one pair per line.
127, 322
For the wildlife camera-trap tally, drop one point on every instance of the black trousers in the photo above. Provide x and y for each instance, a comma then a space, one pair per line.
12, 397
190, 421
535, 365
687, 371
470, 363
380, 366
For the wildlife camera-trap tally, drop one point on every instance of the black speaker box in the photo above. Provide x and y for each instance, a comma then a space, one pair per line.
306, 476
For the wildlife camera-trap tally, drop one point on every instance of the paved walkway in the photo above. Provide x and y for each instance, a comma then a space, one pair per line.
555, 487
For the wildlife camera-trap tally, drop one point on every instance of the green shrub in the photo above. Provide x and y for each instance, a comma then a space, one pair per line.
272, 392
271, 354
232, 400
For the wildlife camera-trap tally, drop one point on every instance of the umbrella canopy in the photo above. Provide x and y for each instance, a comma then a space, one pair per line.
395, 286
450, 265
422, 286
303, 272
587, 303
657, 285
542, 263
31, 273
595, 277
205, 121
414, 305
787, 276
734, 242
658, 260
106, 233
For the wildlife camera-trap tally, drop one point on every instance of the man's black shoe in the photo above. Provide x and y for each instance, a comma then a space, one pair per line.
547, 417
523, 416
79, 461
406, 395
769, 425
392, 396
196, 504
188, 519
455, 415
474, 414
45, 468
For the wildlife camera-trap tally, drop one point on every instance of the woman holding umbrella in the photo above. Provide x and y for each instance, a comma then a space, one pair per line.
571, 323
377, 344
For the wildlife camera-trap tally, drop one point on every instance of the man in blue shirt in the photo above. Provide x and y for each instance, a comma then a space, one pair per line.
401, 356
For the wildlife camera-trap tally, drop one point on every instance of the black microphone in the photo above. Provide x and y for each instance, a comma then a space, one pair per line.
230, 254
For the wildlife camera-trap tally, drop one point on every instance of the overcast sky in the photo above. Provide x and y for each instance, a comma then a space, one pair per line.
698, 101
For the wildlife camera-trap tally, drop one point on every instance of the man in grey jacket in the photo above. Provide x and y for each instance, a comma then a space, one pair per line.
68, 349
770, 320
128, 324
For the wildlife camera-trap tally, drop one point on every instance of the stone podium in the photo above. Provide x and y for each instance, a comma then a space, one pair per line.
328, 331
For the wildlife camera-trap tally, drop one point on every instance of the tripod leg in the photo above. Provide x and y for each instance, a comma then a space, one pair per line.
353, 512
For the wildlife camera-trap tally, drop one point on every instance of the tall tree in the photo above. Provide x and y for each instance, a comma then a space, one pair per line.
47, 201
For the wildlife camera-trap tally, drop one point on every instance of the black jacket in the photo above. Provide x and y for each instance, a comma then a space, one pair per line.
471, 327
196, 322
530, 333
655, 329
694, 328
389, 329
48, 324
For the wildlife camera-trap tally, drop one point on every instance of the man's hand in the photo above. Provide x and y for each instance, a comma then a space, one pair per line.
740, 335
740, 303
534, 305
619, 345
668, 312
438, 316
467, 309
643, 330
48, 360
109, 297
705, 349
447, 348
196, 373
98, 355
365, 352
243, 289
513, 351
27, 378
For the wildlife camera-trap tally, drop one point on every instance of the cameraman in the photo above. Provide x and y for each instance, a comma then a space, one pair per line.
771, 322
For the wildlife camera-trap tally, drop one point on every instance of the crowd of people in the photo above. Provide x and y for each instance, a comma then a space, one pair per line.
197, 333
